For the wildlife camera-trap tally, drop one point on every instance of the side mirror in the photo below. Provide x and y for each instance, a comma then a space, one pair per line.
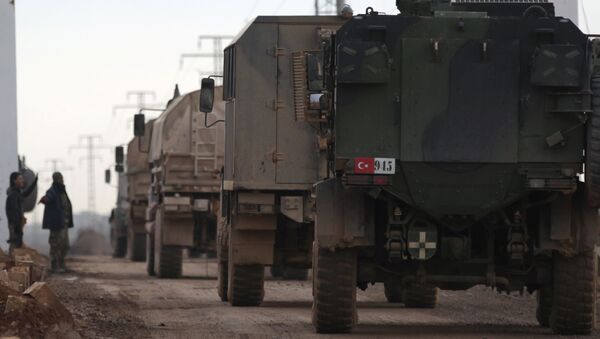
119, 155
139, 125
207, 95
107, 176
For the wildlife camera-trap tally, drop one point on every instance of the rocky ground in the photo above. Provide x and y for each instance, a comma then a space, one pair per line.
115, 299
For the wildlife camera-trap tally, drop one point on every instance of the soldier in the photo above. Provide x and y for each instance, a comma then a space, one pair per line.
14, 209
58, 218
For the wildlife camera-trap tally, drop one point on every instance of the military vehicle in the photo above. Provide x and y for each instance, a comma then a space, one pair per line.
185, 159
138, 183
119, 215
271, 155
455, 135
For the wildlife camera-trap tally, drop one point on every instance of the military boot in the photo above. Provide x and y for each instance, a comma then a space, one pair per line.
60, 263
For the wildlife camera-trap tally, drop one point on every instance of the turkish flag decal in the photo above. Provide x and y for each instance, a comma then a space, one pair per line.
364, 165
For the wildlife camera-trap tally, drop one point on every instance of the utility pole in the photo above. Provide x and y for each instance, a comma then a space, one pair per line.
56, 165
89, 144
329, 7
140, 96
216, 55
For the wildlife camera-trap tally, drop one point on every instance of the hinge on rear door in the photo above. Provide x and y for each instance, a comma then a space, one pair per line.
277, 157
275, 105
276, 52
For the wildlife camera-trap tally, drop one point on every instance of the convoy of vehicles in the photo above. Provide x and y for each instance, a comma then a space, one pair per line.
441, 148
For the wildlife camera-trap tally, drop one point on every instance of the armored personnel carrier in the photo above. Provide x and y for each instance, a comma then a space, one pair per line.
119, 216
138, 183
271, 158
462, 141
185, 158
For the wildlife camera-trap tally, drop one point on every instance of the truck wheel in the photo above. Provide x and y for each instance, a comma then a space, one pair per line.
334, 295
120, 248
222, 279
574, 307
150, 254
246, 284
137, 246
168, 261
420, 296
544, 305
393, 292
592, 159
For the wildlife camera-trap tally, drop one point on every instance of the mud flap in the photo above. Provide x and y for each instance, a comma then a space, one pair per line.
252, 238
571, 227
343, 217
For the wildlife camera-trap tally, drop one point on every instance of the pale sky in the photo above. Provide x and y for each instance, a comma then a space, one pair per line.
78, 58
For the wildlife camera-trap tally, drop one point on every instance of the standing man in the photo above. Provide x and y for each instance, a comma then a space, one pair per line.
58, 218
14, 209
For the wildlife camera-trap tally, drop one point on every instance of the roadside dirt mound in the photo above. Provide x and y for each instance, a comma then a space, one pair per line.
90, 242
24, 317
4, 293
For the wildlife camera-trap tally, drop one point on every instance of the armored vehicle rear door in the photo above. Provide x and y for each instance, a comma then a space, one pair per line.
297, 154
460, 100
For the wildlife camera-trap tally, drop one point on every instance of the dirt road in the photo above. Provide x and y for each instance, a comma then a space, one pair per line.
115, 299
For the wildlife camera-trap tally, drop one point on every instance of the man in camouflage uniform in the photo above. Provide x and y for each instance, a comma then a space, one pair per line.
58, 218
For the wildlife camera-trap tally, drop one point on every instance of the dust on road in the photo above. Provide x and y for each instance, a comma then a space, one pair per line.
115, 298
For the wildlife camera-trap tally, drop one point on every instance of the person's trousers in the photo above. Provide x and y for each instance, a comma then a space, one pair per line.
15, 238
59, 243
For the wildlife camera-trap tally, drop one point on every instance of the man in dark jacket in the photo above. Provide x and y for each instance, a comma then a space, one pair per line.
14, 209
58, 218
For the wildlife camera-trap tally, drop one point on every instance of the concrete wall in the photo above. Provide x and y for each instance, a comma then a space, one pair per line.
8, 106
568, 9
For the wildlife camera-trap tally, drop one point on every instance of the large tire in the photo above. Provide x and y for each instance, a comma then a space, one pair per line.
334, 291
574, 304
544, 298
136, 246
592, 159
222, 279
246, 284
120, 247
393, 292
420, 296
150, 254
168, 261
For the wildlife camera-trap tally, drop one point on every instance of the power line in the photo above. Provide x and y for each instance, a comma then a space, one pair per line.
89, 143
215, 56
56, 165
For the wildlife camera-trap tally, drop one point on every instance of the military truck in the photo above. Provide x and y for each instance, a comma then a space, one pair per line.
119, 216
271, 155
456, 135
185, 160
138, 183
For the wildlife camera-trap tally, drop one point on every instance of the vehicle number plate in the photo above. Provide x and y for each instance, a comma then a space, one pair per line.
375, 166
385, 166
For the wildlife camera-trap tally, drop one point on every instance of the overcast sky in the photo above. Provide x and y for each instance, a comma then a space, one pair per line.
77, 59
